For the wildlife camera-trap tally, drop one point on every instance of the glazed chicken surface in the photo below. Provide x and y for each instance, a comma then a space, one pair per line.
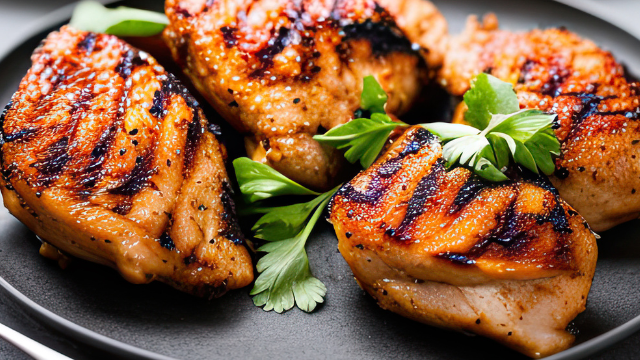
598, 108
510, 261
108, 158
280, 71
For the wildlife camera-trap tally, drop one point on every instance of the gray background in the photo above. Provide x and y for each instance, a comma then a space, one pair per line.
16, 17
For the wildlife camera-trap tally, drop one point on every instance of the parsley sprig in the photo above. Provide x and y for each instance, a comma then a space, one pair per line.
121, 21
364, 137
285, 278
499, 133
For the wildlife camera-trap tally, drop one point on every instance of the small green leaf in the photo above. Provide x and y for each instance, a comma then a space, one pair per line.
447, 131
487, 170
501, 150
521, 125
259, 181
365, 138
285, 222
121, 21
523, 157
373, 96
488, 96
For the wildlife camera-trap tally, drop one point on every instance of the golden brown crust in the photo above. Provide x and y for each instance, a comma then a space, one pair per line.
414, 232
598, 109
115, 163
282, 71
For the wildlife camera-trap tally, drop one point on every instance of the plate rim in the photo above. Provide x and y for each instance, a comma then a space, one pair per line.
116, 347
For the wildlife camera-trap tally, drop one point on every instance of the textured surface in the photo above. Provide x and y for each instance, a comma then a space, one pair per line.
349, 325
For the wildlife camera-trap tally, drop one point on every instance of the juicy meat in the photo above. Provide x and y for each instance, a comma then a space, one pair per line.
108, 158
598, 109
282, 71
510, 261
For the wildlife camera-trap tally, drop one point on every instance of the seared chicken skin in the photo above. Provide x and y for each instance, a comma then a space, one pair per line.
598, 108
108, 158
510, 260
280, 71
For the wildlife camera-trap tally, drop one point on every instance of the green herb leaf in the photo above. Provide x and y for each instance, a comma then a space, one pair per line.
365, 138
285, 278
284, 222
121, 21
488, 96
525, 136
373, 96
259, 181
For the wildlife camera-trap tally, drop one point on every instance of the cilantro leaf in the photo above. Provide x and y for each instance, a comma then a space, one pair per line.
373, 97
285, 278
121, 21
488, 96
285, 222
259, 181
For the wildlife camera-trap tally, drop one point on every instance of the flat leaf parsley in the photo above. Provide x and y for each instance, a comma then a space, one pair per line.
285, 278
499, 131
121, 21
364, 137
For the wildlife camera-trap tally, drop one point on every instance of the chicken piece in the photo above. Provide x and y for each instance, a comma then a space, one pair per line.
554, 70
510, 260
280, 71
108, 158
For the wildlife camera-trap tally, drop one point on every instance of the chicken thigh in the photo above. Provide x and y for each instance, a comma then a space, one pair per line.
510, 260
281, 71
108, 158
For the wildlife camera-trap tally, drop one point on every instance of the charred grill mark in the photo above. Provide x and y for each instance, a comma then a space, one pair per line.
419, 138
456, 258
553, 85
98, 156
389, 168
129, 62
229, 36
383, 36
426, 189
230, 229
157, 109
139, 177
376, 187
194, 134
88, 43
123, 208
590, 103
558, 218
371, 195
54, 159
3, 115
510, 227
468, 192
184, 12
275, 46
21, 134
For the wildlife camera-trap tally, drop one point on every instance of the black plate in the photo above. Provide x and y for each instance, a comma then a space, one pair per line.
103, 310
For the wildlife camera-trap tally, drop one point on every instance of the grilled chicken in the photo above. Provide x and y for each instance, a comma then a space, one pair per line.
554, 70
510, 261
108, 158
282, 71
